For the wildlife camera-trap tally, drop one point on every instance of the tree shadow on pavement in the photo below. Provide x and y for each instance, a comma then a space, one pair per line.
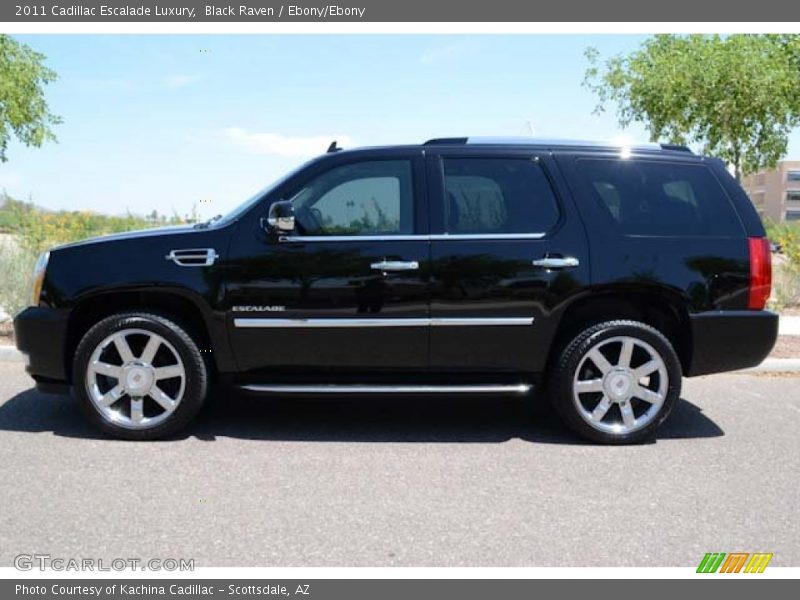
415, 419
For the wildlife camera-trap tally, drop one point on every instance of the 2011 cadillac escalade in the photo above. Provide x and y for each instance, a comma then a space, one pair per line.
597, 275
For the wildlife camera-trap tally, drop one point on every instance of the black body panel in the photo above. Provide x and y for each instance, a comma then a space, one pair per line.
730, 340
327, 280
40, 333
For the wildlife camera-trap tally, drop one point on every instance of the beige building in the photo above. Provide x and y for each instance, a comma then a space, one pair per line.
776, 193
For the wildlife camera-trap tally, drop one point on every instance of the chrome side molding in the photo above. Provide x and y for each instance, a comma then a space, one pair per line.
193, 257
480, 321
518, 388
311, 323
436, 237
386, 322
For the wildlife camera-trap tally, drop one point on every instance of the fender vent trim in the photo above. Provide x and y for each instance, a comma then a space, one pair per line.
193, 257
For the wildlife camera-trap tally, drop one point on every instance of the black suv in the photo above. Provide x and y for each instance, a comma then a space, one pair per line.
597, 275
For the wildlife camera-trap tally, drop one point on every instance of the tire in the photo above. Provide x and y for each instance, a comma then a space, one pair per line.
139, 376
595, 389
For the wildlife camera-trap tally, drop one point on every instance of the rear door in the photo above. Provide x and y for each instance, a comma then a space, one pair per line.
507, 250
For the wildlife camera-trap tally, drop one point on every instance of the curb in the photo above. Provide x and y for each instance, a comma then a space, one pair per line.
789, 325
776, 365
10, 354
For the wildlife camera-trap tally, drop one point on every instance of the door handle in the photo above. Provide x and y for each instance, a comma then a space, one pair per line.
557, 262
395, 265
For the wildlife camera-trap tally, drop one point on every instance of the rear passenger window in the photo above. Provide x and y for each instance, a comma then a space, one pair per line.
497, 195
659, 198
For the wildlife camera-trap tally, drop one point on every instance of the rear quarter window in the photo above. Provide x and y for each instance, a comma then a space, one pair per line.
641, 197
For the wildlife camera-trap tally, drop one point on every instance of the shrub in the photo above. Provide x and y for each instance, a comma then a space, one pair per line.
31, 230
787, 235
786, 266
16, 266
785, 285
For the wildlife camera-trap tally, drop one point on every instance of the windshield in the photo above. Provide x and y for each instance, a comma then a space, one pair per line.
254, 199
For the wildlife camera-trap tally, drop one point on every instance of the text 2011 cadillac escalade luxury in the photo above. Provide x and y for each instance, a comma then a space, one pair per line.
598, 275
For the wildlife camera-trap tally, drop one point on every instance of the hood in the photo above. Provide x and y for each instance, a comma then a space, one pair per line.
132, 235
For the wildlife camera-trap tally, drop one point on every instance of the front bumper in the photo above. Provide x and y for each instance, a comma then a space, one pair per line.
41, 334
728, 340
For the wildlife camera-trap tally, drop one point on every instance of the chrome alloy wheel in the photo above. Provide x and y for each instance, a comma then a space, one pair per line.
135, 378
620, 385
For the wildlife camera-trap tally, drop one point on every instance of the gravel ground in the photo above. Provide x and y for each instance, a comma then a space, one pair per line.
788, 346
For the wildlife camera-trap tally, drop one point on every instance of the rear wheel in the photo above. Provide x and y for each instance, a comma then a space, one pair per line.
139, 376
616, 382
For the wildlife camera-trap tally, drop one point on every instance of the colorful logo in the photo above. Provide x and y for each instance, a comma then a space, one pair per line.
735, 562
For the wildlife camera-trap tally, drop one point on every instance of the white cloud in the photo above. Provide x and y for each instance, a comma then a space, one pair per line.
284, 145
443, 53
179, 81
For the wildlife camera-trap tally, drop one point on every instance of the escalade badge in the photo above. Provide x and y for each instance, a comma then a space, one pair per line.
250, 308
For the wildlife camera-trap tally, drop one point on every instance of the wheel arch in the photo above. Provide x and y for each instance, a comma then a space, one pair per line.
660, 308
182, 306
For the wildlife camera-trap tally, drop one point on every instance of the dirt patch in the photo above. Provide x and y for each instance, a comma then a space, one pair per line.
788, 346
6, 333
776, 374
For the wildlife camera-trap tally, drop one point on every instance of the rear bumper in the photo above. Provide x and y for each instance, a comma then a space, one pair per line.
730, 339
41, 334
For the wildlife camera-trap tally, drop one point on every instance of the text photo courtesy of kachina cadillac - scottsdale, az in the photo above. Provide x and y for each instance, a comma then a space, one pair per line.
217, 252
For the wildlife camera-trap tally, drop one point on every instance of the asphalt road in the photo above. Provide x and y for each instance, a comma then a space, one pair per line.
417, 483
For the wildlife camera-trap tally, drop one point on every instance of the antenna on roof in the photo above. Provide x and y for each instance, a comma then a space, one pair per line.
333, 147
528, 128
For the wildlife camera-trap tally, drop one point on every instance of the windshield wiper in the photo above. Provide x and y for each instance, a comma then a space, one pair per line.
206, 224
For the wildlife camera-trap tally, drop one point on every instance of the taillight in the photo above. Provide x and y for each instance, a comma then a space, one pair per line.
760, 273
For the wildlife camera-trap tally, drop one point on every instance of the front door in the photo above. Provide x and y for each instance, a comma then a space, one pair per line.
506, 251
348, 290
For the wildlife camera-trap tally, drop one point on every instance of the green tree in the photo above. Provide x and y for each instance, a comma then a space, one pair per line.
736, 96
790, 43
23, 109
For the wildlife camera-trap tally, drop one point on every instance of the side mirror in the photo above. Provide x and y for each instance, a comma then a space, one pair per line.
281, 217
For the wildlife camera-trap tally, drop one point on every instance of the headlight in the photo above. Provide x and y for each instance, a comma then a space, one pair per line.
38, 277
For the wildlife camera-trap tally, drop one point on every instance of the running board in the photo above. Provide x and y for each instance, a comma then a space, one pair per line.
520, 388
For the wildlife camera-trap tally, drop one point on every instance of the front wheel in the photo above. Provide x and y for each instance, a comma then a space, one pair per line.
139, 376
616, 382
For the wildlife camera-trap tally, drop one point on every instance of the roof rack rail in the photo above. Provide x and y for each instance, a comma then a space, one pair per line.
537, 141
534, 141
446, 141
677, 148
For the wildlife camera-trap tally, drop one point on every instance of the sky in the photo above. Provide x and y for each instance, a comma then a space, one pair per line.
168, 122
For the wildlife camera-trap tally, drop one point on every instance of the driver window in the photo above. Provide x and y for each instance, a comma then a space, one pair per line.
367, 198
